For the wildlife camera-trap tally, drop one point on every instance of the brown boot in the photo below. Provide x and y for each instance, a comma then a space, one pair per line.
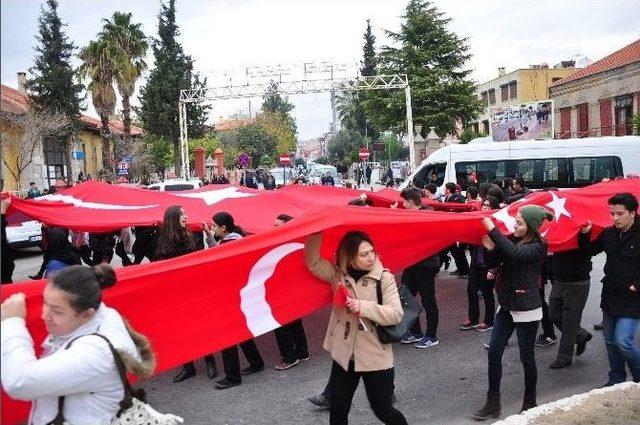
528, 402
491, 409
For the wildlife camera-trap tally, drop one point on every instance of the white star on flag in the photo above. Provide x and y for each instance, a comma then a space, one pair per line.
557, 205
503, 216
214, 196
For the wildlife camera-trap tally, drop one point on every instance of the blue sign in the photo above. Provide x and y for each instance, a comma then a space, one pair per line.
123, 168
77, 155
128, 158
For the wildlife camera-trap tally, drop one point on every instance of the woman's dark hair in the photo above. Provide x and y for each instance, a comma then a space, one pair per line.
171, 232
432, 187
626, 199
483, 188
493, 202
348, 248
284, 218
496, 192
472, 192
357, 202
225, 219
84, 284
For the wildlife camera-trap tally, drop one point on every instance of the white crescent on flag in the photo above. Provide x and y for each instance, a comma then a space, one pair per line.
253, 301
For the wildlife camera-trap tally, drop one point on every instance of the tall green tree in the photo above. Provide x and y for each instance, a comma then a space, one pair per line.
349, 105
344, 146
257, 142
99, 60
368, 52
434, 59
52, 86
274, 103
172, 72
132, 46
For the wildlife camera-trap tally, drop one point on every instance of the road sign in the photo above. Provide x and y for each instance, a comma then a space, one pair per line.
285, 159
364, 154
123, 168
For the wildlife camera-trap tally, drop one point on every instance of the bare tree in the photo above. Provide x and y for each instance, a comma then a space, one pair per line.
143, 164
28, 132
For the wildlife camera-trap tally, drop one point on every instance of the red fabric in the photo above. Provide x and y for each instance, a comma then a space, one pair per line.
198, 304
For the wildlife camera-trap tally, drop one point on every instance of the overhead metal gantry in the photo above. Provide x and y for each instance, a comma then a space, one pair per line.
210, 94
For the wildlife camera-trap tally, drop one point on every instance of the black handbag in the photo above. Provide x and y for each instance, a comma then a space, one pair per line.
394, 333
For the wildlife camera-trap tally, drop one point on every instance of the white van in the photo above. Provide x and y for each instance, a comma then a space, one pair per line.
566, 163
173, 185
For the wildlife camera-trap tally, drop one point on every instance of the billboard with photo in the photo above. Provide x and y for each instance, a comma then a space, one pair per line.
526, 121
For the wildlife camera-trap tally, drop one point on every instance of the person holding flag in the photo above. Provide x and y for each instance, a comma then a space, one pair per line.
351, 335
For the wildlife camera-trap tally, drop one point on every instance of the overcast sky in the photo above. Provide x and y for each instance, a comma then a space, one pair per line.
226, 36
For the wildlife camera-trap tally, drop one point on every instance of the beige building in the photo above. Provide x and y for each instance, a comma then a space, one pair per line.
48, 163
517, 87
600, 99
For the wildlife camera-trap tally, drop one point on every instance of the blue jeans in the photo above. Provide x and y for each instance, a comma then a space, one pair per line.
503, 327
619, 333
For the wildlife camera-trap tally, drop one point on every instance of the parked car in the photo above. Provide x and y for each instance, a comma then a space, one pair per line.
173, 185
24, 235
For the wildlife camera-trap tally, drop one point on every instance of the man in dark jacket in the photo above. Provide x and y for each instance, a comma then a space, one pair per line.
420, 278
570, 271
519, 190
620, 301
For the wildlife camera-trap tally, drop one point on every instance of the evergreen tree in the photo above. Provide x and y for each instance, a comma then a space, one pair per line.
368, 53
173, 71
434, 60
350, 105
52, 87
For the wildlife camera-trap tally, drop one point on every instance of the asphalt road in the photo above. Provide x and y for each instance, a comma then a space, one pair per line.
439, 385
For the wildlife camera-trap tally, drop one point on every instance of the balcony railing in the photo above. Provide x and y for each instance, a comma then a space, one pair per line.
613, 130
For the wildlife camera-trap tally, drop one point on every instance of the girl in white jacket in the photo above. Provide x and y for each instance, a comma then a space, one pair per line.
85, 373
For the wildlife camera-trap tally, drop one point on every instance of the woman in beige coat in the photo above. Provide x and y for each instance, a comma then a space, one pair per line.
352, 337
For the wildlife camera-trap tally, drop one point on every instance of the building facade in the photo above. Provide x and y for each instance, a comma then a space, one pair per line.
518, 87
600, 99
48, 162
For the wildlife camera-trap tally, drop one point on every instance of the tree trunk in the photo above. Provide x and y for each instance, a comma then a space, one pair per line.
177, 162
107, 160
126, 122
67, 147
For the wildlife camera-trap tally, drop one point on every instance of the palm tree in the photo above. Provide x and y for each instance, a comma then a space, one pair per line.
131, 44
98, 59
349, 111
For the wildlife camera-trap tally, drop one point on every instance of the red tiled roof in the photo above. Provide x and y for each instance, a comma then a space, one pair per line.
231, 124
14, 102
626, 55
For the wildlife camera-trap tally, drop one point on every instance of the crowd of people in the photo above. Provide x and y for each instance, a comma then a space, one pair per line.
514, 269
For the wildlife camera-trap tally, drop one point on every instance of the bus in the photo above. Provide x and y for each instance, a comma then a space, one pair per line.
563, 164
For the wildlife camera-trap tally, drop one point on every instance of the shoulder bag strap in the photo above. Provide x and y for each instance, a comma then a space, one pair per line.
125, 403
379, 287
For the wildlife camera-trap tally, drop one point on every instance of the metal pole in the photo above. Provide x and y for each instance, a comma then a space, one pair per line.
412, 148
184, 140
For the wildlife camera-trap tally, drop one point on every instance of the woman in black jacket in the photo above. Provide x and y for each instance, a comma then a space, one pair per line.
174, 240
224, 230
519, 260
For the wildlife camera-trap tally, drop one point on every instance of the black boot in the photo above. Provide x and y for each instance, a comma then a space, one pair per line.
528, 402
491, 409
188, 371
212, 370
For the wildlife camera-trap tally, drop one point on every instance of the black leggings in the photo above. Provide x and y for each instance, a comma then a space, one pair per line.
378, 386
502, 330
